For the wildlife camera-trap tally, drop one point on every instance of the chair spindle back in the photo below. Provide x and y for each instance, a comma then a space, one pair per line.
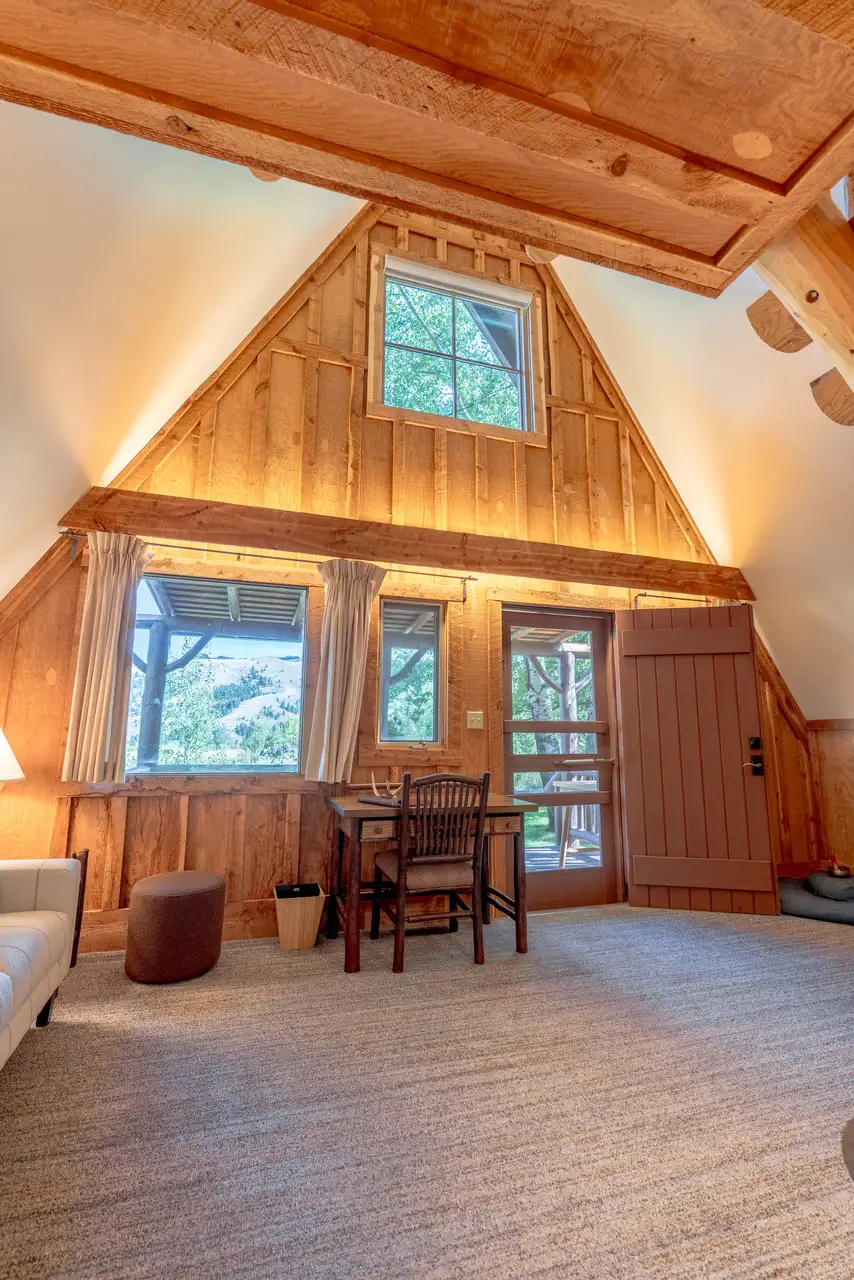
442, 817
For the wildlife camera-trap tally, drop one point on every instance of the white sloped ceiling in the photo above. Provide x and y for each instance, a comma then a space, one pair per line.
766, 475
130, 270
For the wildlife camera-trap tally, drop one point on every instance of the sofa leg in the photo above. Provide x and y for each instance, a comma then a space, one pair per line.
44, 1016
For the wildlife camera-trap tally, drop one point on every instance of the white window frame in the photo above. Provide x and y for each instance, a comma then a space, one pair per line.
469, 285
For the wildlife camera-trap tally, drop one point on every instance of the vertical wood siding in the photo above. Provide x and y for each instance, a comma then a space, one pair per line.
284, 424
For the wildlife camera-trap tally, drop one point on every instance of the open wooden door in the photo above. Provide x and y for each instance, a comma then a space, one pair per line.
695, 813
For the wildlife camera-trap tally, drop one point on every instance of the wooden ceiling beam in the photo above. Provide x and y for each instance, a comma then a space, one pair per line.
168, 113
543, 129
155, 515
811, 270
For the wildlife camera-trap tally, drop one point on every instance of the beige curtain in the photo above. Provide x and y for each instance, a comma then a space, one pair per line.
351, 587
95, 751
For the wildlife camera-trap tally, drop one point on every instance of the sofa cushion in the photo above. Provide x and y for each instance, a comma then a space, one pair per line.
6, 999
30, 943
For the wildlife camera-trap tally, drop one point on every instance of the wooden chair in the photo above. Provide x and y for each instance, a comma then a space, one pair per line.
440, 852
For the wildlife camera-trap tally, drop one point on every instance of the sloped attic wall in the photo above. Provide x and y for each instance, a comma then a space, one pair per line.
286, 423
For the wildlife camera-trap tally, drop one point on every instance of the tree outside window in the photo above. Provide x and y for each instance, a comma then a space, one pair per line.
451, 353
217, 679
409, 671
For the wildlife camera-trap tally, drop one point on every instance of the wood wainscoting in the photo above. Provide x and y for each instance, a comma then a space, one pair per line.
834, 747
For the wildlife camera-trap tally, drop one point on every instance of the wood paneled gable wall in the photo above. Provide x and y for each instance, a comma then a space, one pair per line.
286, 423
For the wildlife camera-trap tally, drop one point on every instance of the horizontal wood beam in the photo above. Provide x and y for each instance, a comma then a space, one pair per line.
317, 92
704, 873
223, 627
157, 515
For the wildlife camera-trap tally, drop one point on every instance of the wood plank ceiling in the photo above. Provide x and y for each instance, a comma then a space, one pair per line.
671, 140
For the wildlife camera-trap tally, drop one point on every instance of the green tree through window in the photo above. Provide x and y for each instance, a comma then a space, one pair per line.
409, 671
217, 677
453, 355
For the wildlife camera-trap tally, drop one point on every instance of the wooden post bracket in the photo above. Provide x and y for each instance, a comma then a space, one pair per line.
811, 273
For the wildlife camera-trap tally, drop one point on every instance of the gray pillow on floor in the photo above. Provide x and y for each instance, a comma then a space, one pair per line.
839, 888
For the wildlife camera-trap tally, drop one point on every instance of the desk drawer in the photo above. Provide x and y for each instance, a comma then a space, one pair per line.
378, 830
503, 826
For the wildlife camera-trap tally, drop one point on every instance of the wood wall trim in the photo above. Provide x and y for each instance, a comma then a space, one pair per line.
786, 700
27, 592
831, 726
232, 524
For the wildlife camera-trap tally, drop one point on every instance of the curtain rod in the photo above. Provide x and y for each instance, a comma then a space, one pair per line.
260, 555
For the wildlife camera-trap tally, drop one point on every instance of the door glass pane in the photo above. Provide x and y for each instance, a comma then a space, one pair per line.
552, 674
563, 836
549, 782
549, 744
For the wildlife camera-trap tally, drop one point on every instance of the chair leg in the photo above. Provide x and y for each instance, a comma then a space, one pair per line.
399, 929
453, 925
44, 1014
375, 909
477, 925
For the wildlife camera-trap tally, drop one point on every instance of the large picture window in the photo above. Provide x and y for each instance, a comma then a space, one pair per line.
455, 350
217, 681
410, 671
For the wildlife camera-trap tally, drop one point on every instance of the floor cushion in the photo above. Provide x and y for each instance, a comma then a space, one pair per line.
840, 888
797, 900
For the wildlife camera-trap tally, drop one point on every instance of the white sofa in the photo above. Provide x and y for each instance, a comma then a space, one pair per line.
39, 901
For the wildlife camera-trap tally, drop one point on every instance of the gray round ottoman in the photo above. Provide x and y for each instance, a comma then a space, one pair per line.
174, 926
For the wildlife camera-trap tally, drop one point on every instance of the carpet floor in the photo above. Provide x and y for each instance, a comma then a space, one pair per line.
646, 1094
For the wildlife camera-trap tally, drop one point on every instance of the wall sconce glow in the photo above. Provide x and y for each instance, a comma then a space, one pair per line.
10, 770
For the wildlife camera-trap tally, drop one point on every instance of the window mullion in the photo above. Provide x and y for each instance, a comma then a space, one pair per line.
454, 349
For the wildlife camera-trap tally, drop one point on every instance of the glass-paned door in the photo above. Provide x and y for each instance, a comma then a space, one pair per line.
558, 751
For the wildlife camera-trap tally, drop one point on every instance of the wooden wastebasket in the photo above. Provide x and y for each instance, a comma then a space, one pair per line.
298, 911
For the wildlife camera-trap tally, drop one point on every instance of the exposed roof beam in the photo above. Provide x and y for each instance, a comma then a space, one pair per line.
156, 515
322, 92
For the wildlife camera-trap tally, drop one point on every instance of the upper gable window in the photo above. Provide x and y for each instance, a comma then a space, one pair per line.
456, 347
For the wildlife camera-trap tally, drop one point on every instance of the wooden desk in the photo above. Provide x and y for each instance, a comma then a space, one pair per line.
363, 823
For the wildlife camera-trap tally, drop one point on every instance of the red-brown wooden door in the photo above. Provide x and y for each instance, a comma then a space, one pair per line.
695, 813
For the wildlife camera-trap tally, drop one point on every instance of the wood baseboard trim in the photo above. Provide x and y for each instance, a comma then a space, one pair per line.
107, 930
